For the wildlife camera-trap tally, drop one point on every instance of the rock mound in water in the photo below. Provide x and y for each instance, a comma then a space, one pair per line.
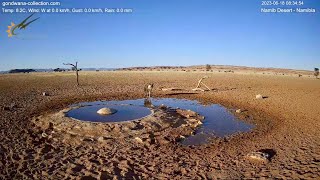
187, 113
106, 111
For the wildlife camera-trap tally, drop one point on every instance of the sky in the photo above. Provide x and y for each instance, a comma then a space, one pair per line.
164, 32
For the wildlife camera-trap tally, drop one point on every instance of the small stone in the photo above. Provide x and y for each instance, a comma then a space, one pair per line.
259, 96
72, 133
106, 111
88, 139
100, 139
76, 127
162, 141
44, 135
238, 111
125, 129
150, 168
259, 156
139, 140
43, 173
45, 94
6, 108
57, 128
186, 113
162, 106
183, 171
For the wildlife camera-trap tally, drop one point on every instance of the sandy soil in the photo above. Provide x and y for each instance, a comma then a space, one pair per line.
287, 122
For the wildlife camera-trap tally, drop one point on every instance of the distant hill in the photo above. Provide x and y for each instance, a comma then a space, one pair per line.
52, 70
99, 69
21, 70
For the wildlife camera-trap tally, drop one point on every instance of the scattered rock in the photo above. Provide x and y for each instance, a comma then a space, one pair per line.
186, 113
57, 128
161, 140
259, 96
45, 94
44, 135
162, 106
6, 108
88, 139
43, 173
150, 168
106, 111
100, 139
194, 122
183, 171
139, 140
138, 126
172, 89
238, 111
76, 127
260, 156
72, 133
11, 107
125, 129
198, 89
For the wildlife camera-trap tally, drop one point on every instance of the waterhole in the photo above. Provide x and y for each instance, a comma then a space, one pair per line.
218, 122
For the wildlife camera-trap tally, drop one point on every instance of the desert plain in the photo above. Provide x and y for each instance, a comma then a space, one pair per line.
287, 122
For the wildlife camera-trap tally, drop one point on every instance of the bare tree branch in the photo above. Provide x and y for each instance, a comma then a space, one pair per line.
316, 72
198, 88
69, 64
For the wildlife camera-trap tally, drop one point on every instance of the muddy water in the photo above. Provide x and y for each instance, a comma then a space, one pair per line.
218, 122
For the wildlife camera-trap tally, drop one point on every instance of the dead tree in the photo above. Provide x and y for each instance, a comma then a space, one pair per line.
316, 72
198, 88
208, 67
74, 67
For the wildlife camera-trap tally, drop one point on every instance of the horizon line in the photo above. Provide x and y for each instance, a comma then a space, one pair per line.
184, 66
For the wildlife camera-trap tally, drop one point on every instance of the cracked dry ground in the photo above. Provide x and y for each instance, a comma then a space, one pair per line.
288, 121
